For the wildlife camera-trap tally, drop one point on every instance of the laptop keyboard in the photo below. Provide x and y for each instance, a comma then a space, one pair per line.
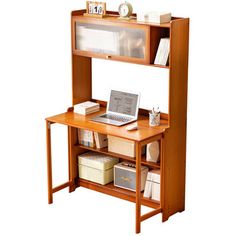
116, 118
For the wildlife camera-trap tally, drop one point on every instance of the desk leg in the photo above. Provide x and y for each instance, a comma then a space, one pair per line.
72, 165
49, 161
138, 186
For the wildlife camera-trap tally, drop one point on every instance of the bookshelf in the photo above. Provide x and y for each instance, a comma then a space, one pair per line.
171, 133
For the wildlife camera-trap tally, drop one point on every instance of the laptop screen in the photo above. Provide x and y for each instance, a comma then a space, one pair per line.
123, 102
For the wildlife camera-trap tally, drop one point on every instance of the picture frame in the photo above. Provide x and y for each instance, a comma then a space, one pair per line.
95, 9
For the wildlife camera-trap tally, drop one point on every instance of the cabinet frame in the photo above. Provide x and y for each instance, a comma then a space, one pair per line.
146, 29
171, 133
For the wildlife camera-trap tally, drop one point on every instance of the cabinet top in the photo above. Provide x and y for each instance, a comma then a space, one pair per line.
113, 17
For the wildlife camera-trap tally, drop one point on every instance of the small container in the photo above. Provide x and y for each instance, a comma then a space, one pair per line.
96, 167
125, 176
154, 119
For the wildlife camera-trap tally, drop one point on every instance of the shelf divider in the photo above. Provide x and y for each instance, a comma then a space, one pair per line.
123, 157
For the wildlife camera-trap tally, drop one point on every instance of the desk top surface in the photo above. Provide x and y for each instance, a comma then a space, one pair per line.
143, 132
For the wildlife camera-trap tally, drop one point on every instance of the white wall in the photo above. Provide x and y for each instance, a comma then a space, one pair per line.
151, 82
35, 82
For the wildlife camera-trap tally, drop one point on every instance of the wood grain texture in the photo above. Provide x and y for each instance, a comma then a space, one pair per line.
72, 158
80, 121
138, 187
114, 191
81, 79
113, 17
175, 136
120, 156
49, 161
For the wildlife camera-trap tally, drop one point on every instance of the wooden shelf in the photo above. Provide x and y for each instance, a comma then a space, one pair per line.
106, 152
114, 191
113, 17
172, 128
115, 58
160, 66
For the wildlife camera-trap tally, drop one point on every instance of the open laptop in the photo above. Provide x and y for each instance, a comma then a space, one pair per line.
122, 109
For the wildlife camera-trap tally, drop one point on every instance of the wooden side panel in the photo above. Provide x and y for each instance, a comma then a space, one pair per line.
175, 136
73, 152
81, 79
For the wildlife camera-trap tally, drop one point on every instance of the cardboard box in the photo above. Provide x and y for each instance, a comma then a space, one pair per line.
96, 167
125, 176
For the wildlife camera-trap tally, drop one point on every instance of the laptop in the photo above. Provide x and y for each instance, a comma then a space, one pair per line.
122, 109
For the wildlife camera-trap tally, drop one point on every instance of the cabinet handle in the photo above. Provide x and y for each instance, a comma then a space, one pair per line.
108, 57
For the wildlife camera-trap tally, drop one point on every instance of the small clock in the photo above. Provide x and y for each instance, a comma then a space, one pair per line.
125, 10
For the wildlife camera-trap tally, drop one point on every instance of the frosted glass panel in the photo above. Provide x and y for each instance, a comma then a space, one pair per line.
110, 40
151, 82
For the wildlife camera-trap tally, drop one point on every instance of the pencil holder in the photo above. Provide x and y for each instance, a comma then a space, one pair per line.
154, 119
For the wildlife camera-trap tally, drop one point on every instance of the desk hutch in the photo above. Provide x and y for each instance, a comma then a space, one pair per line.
172, 131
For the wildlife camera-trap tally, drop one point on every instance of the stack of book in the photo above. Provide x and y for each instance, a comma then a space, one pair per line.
152, 187
163, 52
91, 139
86, 137
100, 140
86, 108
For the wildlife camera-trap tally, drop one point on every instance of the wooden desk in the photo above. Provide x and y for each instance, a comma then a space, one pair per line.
144, 135
172, 131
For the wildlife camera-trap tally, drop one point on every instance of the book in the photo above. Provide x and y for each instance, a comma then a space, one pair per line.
86, 137
148, 186
101, 140
156, 191
152, 186
163, 52
85, 108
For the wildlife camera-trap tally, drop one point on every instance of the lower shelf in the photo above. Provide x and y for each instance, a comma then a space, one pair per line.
110, 189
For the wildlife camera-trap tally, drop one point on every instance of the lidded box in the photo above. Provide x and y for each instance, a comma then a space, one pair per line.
121, 146
96, 167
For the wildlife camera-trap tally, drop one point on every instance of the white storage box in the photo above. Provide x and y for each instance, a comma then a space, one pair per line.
121, 146
154, 17
96, 167
125, 176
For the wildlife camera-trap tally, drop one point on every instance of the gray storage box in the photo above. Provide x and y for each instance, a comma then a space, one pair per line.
125, 176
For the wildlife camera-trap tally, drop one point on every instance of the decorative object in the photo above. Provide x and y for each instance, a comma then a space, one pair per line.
95, 9
125, 10
153, 151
